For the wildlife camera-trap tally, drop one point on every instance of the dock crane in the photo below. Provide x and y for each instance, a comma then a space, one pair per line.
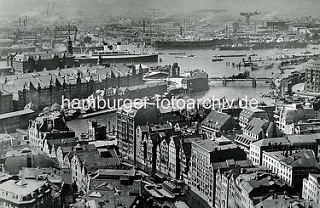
247, 15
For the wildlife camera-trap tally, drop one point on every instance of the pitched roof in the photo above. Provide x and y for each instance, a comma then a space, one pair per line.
302, 159
271, 141
216, 119
257, 125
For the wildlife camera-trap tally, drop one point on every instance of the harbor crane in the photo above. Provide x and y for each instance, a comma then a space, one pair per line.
247, 15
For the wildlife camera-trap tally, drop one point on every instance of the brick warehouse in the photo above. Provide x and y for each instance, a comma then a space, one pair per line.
44, 88
38, 61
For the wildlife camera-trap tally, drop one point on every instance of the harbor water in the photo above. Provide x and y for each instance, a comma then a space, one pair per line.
202, 59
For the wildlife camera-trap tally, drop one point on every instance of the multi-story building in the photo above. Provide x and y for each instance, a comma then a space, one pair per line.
225, 190
197, 81
290, 142
48, 127
114, 97
38, 61
205, 158
247, 114
51, 146
252, 188
291, 168
311, 188
174, 159
256, 129
162, 149
6, 142
312, 79
216, 123
6, 101
22, 156
185, 154
97, 131
129, 117
45, 88
26, 193
11, 121
288, 116
85, 160
267, 144
162, 163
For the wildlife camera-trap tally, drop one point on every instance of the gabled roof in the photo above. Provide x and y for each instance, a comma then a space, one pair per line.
216, 119
257, 125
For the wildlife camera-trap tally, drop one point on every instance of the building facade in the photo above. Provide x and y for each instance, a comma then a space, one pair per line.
38, 61
311, 188
205, 154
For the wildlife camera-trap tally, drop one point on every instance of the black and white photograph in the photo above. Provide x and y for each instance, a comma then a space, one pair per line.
159, 103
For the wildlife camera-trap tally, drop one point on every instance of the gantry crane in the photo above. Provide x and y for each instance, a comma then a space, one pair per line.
247, 15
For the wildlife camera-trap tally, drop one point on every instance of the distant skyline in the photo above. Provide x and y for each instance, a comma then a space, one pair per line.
280, 8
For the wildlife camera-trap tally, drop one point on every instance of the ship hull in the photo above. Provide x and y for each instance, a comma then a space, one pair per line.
280, 45
234, 48
192, 44
118, 59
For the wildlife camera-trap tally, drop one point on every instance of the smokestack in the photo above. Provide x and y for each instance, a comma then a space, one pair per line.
19, 21
227, 31
144, 25
26, 20
150, 31
180, 30
48, 9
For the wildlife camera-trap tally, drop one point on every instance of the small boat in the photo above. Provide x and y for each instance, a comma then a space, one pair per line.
217, 59
191, 56
151, 189
231, 55
165, 192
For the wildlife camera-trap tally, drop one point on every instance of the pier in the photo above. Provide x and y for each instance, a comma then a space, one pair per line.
254, 81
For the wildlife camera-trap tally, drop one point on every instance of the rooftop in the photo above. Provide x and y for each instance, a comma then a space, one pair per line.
215, 118
21, 187
211, 145
302, 159
25, 111
271, 141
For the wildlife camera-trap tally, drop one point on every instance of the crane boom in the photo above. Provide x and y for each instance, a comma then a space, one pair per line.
247, 15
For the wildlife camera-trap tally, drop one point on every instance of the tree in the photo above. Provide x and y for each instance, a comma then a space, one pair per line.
46, 110
55, 107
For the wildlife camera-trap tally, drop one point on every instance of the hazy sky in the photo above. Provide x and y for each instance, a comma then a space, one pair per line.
274, 7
